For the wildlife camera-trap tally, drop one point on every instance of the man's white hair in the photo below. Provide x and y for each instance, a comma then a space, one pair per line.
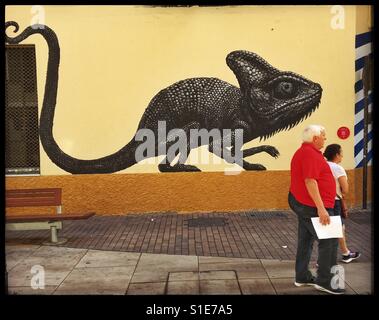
313, 130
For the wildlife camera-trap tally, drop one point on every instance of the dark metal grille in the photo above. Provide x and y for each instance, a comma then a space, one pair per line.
207, 222
260, 215
21, 110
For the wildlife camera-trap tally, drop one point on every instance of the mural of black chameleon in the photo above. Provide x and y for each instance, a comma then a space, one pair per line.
267, 101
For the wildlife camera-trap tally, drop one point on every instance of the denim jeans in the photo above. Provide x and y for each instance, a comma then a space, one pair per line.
327, 248
338, 209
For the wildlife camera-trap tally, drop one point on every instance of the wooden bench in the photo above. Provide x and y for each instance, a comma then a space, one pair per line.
39, 198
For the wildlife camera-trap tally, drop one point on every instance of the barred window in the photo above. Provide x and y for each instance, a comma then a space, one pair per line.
21, 111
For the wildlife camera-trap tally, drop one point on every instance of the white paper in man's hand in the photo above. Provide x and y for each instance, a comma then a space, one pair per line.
331, 230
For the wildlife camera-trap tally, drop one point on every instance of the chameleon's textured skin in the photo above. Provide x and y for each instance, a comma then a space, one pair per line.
267, 101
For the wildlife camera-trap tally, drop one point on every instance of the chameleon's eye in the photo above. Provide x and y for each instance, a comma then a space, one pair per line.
284, 89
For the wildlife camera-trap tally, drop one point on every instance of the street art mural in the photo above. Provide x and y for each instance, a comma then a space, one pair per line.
267, 101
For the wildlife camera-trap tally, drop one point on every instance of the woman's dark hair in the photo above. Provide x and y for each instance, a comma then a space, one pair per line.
331, 151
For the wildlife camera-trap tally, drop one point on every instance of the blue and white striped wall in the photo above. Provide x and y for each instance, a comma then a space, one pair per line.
363, 47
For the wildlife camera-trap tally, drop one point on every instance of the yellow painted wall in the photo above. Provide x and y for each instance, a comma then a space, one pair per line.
364, 19
114, 59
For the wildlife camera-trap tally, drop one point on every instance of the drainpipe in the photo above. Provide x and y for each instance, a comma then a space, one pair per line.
366, 78
6, 279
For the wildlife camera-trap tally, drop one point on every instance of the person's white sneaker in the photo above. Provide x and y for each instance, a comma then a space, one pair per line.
329, 289
350, 257
310, 282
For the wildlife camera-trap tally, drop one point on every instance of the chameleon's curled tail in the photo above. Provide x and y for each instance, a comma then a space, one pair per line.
119, 160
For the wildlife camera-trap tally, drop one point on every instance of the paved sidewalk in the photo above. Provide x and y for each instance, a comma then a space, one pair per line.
85, 271
255, 235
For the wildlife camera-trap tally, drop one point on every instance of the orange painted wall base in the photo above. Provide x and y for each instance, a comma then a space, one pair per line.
172, 192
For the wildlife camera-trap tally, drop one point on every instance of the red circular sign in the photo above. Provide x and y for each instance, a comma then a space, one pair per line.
343, 133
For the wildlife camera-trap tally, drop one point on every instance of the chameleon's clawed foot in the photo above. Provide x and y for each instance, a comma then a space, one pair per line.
165, 167
253, 166
187, 167
272, 151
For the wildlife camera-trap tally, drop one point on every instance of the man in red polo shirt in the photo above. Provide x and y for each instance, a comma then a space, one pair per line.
312, 194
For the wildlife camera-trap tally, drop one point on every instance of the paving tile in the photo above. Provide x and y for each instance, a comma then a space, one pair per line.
112, 280
279, 268
97, 258
55, 259
53, 251
61, 260
147, 288
174, 261
285, 286
183, 287
16, 253
229, 287
57, 263
217, 275
14, 258
349, 290
203, 259
155, 267
11, 248
183, 276
358, 275
256, 286
246, 269
47, 290
21, 275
